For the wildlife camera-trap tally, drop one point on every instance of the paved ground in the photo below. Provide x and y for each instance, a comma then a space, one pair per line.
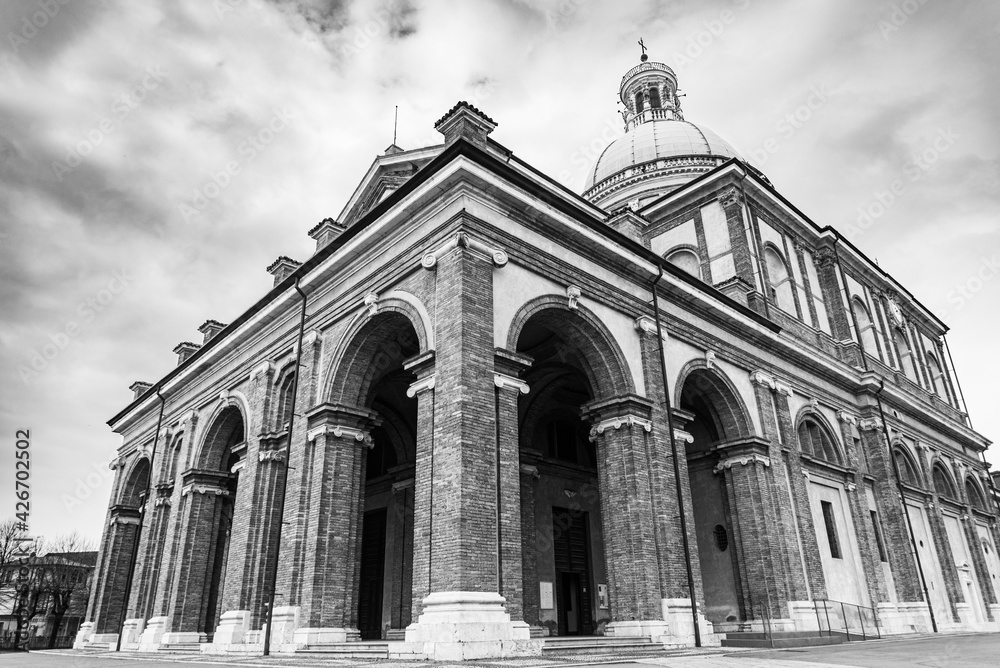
966, 651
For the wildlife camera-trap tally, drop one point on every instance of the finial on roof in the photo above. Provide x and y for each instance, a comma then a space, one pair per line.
643, 57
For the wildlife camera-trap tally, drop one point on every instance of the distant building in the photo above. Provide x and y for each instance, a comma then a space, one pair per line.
55, 591
480, 436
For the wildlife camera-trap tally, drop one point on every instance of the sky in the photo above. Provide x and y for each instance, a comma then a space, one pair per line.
156, 157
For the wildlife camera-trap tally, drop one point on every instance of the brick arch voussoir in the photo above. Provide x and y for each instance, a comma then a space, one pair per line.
901, 445
720, 391
604, 363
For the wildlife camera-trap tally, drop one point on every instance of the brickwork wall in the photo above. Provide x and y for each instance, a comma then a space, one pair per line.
509, 462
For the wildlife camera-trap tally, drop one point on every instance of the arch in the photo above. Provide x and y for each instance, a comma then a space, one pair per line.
977, 499
283, 386
229, 422
779, 279
654, 98
724, 404
866, 326
602, 360
907, 465
171, 460
944, 483
817, 438
136, 483
686, 259
371, 346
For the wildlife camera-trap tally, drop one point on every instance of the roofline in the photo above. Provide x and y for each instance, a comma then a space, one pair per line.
459, 148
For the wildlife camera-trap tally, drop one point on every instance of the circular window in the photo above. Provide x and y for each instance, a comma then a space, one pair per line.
721, 538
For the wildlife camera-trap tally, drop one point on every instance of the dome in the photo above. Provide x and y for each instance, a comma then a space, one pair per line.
658, 140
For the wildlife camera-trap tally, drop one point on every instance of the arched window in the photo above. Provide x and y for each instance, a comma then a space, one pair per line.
866, 328
906, 361
907, 467
976, 498
686, 260
284, 414
175, 456
942, 483
654, 98
816, 441
934, 371
780, 280
639, 102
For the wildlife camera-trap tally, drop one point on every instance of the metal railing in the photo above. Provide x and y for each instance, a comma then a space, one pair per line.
761, 612
847, 618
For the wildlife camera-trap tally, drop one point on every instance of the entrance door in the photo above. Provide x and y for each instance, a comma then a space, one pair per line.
372, 575
572, 562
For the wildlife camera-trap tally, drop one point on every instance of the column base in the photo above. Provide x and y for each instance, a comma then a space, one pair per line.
803, 615
465, 625
183, 638
677, 616
83, 635
284, 624
232, 635
308, 637
103, 640
131, 632
151, 636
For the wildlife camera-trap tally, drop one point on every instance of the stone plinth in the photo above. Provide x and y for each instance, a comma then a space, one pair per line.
83, 635
131, 633
232, 630
465, 625
680, 625
152, 635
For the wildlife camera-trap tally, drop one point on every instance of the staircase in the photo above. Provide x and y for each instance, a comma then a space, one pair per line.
602, 645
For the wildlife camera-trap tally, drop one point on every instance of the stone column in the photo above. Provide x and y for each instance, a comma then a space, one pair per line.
799, 484
979, 566
201, 492
746, 467
423, 488
864, 529
621, 428
949, 569
329, 605
529, 549
119, 542
463, 616
891, 509
153, 542
509, 366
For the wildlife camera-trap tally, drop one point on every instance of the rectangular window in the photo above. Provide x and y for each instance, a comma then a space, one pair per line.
831, 529
878, 536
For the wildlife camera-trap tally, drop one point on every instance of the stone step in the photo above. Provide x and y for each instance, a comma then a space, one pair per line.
759, 635
599, 645
783, 642
181, 648
348, 650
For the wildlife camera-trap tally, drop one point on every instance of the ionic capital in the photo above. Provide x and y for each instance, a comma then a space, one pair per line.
271, 455
742, 460
629, 421
341, 431
870, 424
504, 381
422, 385
763, 379
462, 240
847, 418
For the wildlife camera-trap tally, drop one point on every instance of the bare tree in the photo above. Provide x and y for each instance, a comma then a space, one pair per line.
60, 575
12, 547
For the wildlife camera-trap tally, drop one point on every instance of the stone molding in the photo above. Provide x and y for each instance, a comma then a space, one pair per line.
371, 303
271, 455
419, 386
730, 197
203, 489
267, 366
117, 463
645, 324
743, 460
462, 240
847, 418
763, 379
504, 381
616, 423
870, 424
683, 436
341, 431
573, 294
162, 501
402, 485
528, 469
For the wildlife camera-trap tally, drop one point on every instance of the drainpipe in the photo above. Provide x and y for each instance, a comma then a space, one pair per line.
142, 516
906, 514
673, 450
273, 575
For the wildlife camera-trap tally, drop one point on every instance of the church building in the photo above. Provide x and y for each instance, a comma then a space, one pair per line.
490, 413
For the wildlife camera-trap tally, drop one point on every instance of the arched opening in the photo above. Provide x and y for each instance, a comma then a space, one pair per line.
639, 102
685, 260
908, 471
134, 491
716, 416
654, 97
217, 471
780, 280
866, 328
906, 361
565, 577
943, 483
817, 441
976, 498
283, 414
371, 376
